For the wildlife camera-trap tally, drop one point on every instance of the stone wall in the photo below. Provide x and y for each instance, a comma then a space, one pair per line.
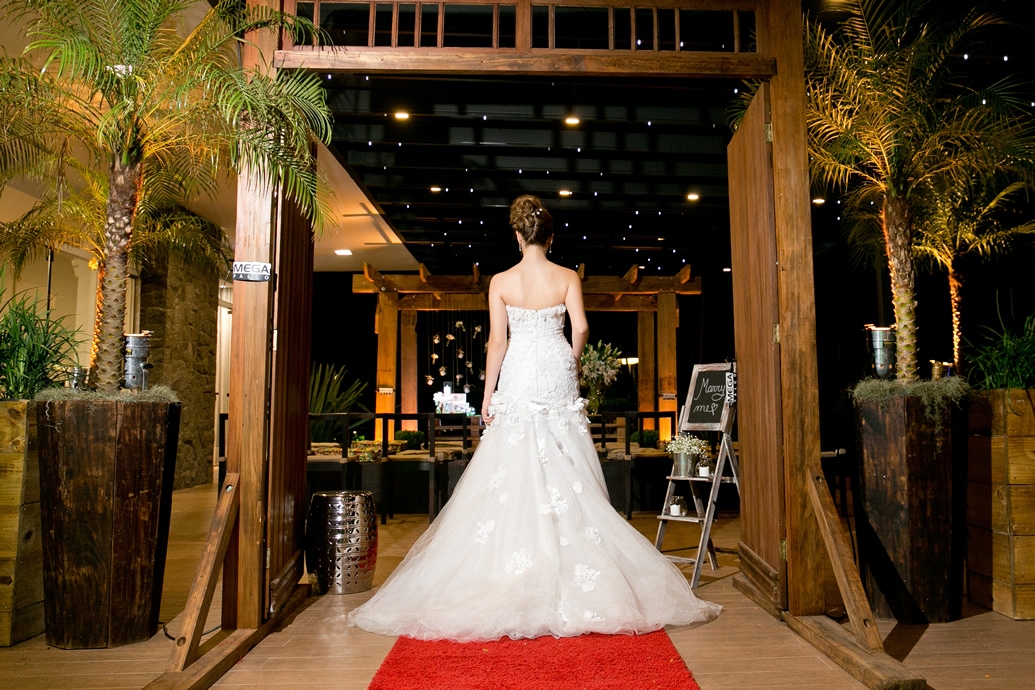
178, 304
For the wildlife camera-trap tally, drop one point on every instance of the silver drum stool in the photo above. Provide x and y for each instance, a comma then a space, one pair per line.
341, 541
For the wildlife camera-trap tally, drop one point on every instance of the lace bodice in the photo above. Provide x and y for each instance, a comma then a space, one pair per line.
539, 366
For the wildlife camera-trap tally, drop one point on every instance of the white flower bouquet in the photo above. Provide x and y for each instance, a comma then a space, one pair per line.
689, 445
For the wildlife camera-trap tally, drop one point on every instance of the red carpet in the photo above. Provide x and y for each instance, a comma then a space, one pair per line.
621, 662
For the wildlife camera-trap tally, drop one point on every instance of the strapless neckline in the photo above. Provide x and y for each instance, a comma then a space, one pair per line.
511, 306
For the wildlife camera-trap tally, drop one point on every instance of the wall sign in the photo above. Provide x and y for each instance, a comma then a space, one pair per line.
711, 399
252, 271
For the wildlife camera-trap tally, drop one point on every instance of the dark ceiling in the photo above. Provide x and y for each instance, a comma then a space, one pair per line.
640, 147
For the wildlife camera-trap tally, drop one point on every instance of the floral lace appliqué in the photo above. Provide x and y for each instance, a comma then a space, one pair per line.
503, 497
586, 577
564, 541
484, 530
577, 487
592, 617
593, 534
496, 479
520, 561
557, 505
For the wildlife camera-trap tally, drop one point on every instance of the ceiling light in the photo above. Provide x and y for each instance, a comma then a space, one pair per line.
436, 189
565, 192
402, 115
819, 201
726, 270
571, 120
692, 196
343, 252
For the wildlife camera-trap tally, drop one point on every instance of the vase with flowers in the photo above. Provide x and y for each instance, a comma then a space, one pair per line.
598, 368
685, 448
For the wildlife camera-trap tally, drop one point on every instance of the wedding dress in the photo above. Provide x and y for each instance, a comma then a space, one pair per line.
529, 543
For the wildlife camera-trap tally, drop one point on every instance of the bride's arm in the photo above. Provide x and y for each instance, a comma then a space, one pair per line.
497, 345
577, 314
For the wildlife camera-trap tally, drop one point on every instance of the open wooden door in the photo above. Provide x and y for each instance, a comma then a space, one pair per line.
756, 320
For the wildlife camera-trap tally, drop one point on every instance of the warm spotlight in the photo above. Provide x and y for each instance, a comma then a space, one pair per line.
571, 120
343, 252
436, 189
565, 192
819, 201
692, 196
402, 115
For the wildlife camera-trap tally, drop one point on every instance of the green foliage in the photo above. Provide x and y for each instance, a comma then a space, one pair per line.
1005, 358
152, 394
328, 393
935, 395
414, 439
598, 368
35, 350
648, 438
133, 115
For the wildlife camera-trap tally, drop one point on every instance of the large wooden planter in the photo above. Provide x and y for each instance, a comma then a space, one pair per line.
1001, 502
912, 505
106, 476
21, 556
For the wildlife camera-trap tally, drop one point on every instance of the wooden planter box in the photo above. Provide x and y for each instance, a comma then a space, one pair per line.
106, 477
1001, 502
21, 553
912, 505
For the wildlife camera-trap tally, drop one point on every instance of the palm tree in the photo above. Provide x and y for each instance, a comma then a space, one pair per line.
120, 101
957, 221
889, 117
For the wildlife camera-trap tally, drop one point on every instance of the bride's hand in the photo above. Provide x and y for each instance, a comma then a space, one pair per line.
486, 417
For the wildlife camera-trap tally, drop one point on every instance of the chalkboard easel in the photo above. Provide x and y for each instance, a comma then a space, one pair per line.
710, 406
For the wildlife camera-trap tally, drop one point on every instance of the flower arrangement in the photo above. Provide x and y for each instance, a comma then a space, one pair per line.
688, 445
598, 368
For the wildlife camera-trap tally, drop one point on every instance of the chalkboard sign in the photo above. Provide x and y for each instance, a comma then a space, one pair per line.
711, 399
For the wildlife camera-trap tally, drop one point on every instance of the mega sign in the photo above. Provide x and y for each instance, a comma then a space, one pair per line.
252, 271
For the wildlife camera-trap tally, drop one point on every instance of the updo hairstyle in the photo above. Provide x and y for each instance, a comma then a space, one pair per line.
531, 220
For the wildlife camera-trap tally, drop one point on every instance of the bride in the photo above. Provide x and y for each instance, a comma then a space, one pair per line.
529, 544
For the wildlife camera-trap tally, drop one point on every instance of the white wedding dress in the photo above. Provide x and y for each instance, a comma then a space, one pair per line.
529, 543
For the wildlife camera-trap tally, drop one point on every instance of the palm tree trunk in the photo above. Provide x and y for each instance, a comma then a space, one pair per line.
955, 286
123, 190
898, 235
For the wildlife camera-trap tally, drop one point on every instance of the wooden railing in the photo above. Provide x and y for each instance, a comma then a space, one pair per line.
723, 26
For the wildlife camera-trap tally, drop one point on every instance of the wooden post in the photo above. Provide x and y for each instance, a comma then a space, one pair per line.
797, 304
248, 428
646, 390
387, 329
408, 365
668, 321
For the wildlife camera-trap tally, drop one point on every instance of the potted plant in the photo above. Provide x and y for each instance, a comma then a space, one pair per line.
111, 99
648, 438
1001, 484
684, 448
35, 352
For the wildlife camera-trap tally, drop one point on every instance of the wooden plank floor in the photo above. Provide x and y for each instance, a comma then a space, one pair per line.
743, 648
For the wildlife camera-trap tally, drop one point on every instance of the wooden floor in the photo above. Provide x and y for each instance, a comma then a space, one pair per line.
743, 648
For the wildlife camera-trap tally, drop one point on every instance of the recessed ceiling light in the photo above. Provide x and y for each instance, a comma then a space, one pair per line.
565, 192
436, 189
402, 115
819, 201
571, 120
692, 196
343, 252
726, 270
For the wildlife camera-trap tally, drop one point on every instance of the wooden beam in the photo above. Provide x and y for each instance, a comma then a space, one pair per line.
538, 62
195, 613
601, 285
859, 612
387, 354
781, 38
632, 276
872, 669
478, 302
476, 272
373, 277
581, 271
646, 392
408, 365
424, 273
248, 432
668, 321
683, 277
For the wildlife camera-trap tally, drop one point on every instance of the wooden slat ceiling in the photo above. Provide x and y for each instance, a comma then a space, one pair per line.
640, 147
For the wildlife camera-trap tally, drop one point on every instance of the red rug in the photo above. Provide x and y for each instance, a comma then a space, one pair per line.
621, 662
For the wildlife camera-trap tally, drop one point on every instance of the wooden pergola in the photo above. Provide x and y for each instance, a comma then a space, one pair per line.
789, 536
400, 297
